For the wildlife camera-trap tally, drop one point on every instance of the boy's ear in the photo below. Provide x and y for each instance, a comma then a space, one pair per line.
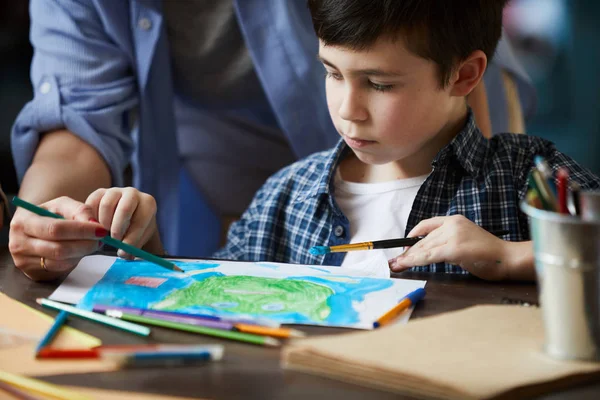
468, 74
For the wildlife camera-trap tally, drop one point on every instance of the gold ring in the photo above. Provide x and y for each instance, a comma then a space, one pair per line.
43, 264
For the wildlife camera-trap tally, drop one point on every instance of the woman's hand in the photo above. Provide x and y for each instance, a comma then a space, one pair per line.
125, 213
456, 240
61, 243
129, 215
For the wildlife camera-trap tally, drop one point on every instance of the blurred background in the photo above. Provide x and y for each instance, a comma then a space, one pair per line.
555, 40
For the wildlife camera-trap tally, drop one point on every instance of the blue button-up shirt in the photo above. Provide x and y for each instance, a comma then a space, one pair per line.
484, 180
101, 69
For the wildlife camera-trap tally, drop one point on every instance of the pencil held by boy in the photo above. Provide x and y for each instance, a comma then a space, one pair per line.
410, 162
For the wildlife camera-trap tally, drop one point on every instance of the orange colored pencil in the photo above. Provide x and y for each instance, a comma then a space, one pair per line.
406, 302
284, 333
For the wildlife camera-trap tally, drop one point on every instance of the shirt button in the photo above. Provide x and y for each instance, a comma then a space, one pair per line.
145, 24
338, 231
45, 88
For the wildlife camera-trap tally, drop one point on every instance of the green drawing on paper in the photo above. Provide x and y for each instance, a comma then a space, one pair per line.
285, 293
253, 295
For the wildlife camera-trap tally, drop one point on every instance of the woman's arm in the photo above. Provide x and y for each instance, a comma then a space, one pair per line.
50, 176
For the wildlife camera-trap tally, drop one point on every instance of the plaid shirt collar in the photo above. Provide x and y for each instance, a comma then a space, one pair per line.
323, 184
469, 147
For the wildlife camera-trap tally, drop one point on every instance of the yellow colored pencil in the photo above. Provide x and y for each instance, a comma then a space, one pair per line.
40, 387
283, 333
403, 305
16, 392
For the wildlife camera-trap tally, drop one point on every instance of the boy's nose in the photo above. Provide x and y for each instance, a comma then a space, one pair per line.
352, 108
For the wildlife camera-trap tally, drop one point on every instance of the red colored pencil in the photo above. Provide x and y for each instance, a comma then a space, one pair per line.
49, 352
562, 176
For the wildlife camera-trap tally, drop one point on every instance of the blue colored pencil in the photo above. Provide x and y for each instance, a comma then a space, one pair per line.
167, 357
58, 323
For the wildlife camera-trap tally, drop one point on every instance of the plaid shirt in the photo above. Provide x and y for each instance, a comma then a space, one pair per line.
482, 179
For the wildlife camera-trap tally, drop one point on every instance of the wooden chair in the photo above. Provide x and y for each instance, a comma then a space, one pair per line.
516, 120
481, 104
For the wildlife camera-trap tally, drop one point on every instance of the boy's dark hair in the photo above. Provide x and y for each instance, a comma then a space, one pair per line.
444, 31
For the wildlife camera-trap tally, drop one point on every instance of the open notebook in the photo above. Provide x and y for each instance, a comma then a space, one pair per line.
482, 352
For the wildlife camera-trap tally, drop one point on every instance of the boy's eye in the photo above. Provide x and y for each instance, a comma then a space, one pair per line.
334, 75
381, 88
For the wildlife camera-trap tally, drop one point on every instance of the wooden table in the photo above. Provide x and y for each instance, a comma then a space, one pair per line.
253, 372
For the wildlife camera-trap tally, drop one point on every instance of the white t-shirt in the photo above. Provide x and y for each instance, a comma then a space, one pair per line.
376, 211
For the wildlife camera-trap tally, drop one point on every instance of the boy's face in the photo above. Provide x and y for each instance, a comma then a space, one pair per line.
387, 104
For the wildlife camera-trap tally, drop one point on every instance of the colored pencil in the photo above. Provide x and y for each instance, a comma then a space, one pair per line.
546, 172
103, 351
575, 196
54, 329
40, 387
378, 244
51, 353
240, 327
283, 333
538, 184
141, 348
239, 336
177, 318
107, 239
403, 305
562, 176
135, 310
167, 358
124, 325
16, 393
534, 200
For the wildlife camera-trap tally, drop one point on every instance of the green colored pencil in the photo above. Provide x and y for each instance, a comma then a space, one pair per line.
106, 239
225, 334
540, 187
117, 323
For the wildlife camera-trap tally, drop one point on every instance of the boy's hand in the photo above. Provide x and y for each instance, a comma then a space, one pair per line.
129, 215
456, 240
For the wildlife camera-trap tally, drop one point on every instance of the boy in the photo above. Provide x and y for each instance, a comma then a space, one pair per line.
411, 160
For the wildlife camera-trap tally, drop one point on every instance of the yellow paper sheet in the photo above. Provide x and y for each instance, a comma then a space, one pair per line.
19, 359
